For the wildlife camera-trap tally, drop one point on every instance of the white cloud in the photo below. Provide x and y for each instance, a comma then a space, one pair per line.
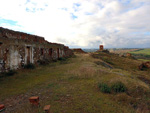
114, 23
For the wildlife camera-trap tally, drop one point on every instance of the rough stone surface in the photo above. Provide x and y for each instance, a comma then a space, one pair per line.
18, 49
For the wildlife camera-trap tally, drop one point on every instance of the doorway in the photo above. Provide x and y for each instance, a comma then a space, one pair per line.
28, 54
58, 52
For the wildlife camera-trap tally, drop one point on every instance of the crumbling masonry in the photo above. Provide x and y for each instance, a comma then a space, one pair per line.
18, 49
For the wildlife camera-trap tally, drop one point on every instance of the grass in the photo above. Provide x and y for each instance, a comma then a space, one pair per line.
142, 51
141, 54
70, 86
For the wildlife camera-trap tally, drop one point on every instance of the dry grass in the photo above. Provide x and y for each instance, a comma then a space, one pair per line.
71, 87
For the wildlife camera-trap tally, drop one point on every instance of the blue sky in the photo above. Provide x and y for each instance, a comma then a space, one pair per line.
81, 23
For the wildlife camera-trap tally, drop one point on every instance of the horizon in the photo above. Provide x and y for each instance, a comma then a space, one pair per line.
81, 24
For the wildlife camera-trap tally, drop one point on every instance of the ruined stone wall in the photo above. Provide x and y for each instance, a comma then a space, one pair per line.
18, 49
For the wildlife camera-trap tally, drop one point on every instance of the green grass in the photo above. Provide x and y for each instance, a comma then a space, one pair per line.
142, 51
143, 60
141, 54
71, 86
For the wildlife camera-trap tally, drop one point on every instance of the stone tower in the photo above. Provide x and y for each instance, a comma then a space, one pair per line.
101, 47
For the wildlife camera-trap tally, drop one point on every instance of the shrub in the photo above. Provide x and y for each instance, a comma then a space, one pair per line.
108, 60
9, 73
29, 66
118, 87
43, 62
104, 88
62, 59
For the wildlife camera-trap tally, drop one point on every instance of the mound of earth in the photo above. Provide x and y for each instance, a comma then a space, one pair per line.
78, 50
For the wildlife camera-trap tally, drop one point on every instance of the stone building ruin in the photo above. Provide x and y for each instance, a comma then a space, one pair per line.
101, 48
18, 49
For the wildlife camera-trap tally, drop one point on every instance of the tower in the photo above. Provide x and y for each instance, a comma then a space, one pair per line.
101, 47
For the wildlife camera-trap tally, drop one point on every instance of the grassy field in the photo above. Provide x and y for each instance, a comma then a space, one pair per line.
141, 54
71, 86
141, 51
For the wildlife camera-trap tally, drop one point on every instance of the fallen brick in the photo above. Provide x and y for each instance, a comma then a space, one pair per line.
34, 100
47, 108
2, 107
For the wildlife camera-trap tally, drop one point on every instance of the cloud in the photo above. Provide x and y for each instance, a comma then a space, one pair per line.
81, 23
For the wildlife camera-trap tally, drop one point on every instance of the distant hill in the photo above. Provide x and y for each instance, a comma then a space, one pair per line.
90, 50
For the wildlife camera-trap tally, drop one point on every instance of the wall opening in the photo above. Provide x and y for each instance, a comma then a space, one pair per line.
50, 51
42, 51
58, 52
1, 44
28, 54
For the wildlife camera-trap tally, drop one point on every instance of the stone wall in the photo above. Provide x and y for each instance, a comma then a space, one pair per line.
18, 49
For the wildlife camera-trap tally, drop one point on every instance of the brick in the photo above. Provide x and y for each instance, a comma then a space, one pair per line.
47, 108
34, 100
2, 107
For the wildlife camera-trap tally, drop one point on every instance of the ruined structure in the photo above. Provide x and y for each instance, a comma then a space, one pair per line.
128, 54
101, 48
18, 49
78, 50
145, 65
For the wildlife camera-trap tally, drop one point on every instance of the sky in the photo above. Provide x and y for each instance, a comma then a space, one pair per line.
81, 23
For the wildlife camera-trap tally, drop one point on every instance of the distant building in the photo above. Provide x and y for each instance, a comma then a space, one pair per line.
128, 54
101, 47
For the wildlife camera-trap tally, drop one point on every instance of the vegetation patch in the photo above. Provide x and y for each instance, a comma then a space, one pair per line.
29, 66
104, 88
62, 59
43, 62
9, 73
118, 87
103, 64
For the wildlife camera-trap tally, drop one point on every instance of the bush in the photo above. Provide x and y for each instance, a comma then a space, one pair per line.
118, 87
104, 88
29, 66
9, 73
62, 59
108, 60
43, 62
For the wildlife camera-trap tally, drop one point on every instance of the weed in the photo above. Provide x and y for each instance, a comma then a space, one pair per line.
104, 88
106, 59
9, 73
74, 56
118, 87
51, 85
44, 62
103, 64
62, 59
29, 66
